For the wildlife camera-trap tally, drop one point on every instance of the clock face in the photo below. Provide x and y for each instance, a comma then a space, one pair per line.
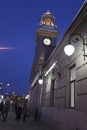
47, 41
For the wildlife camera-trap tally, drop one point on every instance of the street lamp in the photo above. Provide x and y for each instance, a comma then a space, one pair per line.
75, 37
69, 50
40, 81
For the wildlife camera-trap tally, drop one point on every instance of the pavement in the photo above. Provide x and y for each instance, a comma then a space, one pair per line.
29, 124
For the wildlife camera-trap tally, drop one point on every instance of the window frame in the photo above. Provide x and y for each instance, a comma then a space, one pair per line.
72, 81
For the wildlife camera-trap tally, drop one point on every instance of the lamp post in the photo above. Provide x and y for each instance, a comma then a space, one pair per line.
40, 81
70, 49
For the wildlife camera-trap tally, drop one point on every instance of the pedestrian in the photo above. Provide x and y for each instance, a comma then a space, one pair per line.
6, 107
19, 111
1, 108
24, 110
37, 114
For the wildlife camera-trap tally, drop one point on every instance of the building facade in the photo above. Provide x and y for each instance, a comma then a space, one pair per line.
62, 96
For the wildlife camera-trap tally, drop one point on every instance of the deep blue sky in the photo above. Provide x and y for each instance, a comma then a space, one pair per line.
18, 22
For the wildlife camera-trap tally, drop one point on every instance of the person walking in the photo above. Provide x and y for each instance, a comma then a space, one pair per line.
24, 110
6, 107
18, 111
1, 108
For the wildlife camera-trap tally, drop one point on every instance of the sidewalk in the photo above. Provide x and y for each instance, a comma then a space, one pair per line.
30, 124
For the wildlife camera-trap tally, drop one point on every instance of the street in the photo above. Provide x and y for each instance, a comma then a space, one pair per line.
12, 124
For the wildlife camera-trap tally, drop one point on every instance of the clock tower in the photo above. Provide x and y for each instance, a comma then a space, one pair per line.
46, 36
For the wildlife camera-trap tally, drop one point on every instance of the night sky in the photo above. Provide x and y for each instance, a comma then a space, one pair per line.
18, 22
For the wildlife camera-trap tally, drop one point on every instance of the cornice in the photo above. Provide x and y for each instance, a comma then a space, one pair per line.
45, 33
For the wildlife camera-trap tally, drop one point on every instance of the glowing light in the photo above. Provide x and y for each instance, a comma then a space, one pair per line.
27, 96
2, 97
8, 84
69, 50
6, 48
50, 68
40, 81
1, 83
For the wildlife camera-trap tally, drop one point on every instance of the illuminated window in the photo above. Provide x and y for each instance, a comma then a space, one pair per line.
48, 21
52, 23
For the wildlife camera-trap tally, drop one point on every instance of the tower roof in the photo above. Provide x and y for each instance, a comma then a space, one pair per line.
47, 19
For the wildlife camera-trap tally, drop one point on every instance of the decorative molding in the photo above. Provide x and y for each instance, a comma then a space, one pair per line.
45, 33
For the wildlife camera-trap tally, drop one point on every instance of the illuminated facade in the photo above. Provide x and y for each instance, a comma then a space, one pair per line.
63, 94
